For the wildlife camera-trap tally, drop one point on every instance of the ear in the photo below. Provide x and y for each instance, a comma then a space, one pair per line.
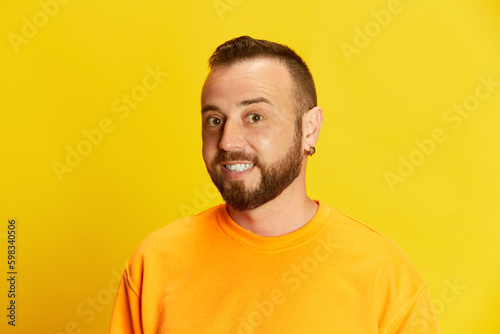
311, 123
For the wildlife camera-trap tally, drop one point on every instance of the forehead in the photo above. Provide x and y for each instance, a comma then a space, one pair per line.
247, 79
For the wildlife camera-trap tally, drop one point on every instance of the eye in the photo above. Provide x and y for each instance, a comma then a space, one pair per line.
213, 121
254, 118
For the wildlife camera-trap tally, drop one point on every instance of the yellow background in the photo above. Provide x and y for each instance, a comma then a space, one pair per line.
74, 234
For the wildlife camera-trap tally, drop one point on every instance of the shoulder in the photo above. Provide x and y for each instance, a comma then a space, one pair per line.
362, 234
167, 243
378, 253
379, 268
177, 232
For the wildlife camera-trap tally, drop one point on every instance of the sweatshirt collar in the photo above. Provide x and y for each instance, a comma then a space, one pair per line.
279, 243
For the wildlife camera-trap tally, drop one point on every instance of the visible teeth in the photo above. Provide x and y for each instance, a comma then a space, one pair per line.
239, 167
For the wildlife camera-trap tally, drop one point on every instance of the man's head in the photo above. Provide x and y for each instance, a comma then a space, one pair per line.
255, 110
246, 48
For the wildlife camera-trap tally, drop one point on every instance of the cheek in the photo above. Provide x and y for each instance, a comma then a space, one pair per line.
209, 148
263, 144
266, 148
258, 141
206, 152
272, 144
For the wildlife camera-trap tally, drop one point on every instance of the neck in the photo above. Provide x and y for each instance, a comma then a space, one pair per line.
288, 212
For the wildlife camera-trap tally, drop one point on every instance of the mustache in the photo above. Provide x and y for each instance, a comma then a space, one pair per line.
227, 156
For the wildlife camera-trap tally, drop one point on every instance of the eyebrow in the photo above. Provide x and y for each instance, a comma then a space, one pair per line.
209, 107
244, 103
255, 100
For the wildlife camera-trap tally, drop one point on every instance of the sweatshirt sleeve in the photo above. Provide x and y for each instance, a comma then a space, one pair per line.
418, 317
126, 316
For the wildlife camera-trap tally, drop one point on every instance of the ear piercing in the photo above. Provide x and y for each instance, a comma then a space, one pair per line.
312, 151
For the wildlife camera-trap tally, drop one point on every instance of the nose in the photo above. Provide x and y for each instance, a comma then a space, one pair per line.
232, 136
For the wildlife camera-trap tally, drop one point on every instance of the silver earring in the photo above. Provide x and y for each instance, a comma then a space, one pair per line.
312, 151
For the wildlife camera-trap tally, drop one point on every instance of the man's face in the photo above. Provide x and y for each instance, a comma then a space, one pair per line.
252, 146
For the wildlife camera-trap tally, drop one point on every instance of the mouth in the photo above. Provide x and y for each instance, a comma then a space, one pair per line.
238, 167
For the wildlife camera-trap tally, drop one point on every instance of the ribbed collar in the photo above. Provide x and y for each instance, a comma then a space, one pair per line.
272, 244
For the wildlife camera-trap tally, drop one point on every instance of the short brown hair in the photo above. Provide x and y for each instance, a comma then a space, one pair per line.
245, 48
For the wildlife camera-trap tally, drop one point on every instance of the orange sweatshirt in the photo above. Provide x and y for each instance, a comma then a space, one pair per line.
206, 274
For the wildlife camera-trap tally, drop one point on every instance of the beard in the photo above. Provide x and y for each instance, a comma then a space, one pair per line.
275, 177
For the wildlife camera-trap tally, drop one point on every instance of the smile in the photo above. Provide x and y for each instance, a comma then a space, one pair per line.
239, 167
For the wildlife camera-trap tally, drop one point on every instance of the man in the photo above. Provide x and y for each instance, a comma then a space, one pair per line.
269, 260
